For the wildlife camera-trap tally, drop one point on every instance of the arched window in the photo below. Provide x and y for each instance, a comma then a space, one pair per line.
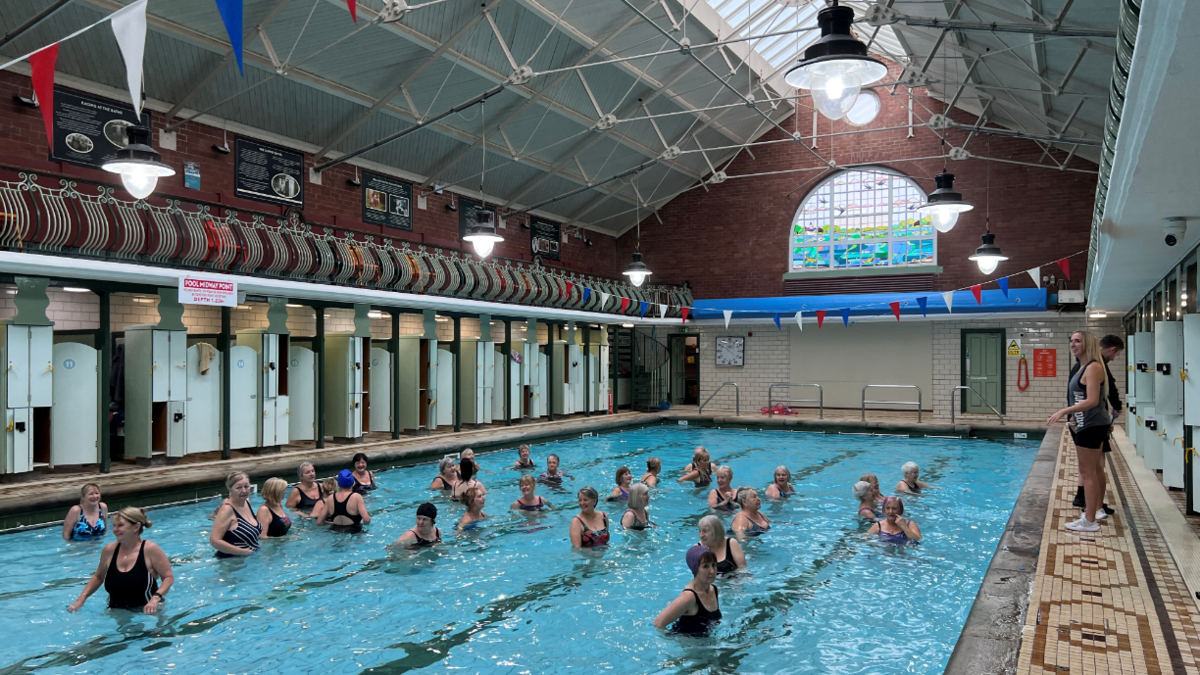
862, 218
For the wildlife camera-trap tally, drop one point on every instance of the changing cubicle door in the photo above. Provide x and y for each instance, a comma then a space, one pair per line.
177, 440
269, 423
1144, 367
73, 424
577, 383
381, 390
1131, 390
177, 373
1191, 366
489, 383
1168, 398
245, 410
283, 414
204, 402
160, 365
17, 373
302, 395
270, 365
18, 441
445, 386
356, 355
41, 366
499, 382
431, 419
355, 421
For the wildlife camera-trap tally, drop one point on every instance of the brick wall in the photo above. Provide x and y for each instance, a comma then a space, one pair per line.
732, 240
23, 147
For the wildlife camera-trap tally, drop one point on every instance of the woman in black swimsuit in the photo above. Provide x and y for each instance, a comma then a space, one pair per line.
147, 576
447, 476
271, 516
424, 534
364, 481
912, 483
235, 530
699, 471
690, 612
723, 497
636, 517
528, 501
307, 495
345, 509
523, 461
727, 550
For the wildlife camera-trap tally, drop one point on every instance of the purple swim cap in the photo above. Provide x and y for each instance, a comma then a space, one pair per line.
693, 557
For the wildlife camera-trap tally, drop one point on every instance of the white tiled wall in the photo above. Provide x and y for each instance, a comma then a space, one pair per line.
767, 362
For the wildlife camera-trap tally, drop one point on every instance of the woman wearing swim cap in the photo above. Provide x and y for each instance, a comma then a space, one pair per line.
345, 509
690, 612
424, 534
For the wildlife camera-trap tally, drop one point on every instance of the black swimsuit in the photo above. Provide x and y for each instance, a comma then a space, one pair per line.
445, 482
703, 619
915, 489
339, 509
437, 538
279, 525
637, 524
364, 488
526, 465
306, 503
132, 589
727, 565
536, 507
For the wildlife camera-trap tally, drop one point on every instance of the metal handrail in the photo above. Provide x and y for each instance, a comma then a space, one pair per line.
820, 400
981, 398
891, 386
737, 399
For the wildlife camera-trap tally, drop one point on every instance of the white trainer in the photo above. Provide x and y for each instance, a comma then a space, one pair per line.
1083, 525
1100, 515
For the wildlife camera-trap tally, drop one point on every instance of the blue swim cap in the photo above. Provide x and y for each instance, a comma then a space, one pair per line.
345, 478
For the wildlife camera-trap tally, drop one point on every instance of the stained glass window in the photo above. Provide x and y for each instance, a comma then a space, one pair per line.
862, 218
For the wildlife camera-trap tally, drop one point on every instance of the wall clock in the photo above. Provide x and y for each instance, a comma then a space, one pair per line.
731, 351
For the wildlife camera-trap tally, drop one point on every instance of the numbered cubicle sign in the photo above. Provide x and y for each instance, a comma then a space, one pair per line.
545, 238
386, 201
268, 173
88, 130
212, 292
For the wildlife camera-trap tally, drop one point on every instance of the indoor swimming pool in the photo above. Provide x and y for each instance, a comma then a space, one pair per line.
512, 596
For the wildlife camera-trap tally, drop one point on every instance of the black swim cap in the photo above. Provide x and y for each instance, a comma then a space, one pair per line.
428, 510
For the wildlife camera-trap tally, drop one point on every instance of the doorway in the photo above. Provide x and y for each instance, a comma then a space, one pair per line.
982, 368
685, 370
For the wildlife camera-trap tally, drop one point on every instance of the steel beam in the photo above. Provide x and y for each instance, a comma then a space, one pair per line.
34, 21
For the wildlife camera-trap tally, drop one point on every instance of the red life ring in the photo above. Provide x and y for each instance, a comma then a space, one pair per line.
1022, 367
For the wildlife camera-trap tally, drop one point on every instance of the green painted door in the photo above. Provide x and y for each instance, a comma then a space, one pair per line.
983, 371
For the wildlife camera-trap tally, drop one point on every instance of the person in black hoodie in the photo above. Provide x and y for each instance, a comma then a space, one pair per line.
1111, 347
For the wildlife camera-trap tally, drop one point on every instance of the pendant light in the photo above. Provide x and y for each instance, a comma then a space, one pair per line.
139, 164
482, 234
988, 255
637, 270
835, 67
944, 203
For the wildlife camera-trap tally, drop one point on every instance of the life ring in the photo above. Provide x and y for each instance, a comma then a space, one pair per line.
1022, 367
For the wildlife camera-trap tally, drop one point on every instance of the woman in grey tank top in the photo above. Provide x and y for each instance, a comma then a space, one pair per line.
1090, 419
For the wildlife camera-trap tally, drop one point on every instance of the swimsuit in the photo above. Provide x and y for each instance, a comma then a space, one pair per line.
306, 503
471, 525
624, 493
132, 589
915, 489
445, 483
755, 528
525, 465
340, 509
83, 530
364, 488
637, 524
244, 534
705, 478
593, 538
787, 493
279, 525
703, 619
893, 538
727, 565
437, 538
536, 507
872, 515
722, 504
558, 476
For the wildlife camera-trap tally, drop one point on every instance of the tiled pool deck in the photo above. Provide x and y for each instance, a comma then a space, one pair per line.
1114, 601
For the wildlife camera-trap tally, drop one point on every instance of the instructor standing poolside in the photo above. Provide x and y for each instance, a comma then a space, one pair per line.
1089, 424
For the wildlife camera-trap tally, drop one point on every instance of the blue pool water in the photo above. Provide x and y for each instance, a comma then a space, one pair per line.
513, 597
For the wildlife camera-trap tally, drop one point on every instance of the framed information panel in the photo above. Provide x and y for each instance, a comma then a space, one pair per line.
88, 130
268, 173
386, 201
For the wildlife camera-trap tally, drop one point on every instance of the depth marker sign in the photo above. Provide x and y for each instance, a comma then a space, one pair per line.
199, 291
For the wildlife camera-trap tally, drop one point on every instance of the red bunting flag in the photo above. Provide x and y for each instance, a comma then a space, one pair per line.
1065, 265
895, 309
685, 311
353, 5
820, 318
624, 304
977, 291
569, 287
41, 72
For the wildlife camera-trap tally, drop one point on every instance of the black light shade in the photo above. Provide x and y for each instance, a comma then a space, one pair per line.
836, 44
637, 270
945, 189
988, 255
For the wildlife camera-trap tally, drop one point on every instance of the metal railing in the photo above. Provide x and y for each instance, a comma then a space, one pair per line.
737, 399
891, 386
820, 400
977, 394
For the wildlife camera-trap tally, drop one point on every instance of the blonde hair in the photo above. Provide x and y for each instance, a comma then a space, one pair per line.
272, 491
700, 454
528, 479
329, 485
639, 494
654, 464
234, 478
83, 491
1091, 345
132, 514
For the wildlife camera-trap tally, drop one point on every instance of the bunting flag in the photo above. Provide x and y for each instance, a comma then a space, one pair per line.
587, 293
1036, 273
603, 299
353, 5
1003, 283
820, 318
977, 291
777, 324
924, 303
570, 287
685, 311
895, 309
846, 317
231, 15
129, 27
728, 315
41, 72
1064, 264
662, 311
948, 298
624, 304
800, 320
644, 305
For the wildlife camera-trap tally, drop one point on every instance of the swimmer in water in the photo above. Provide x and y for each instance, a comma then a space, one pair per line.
425, 533
474, 499
147, 577
349, 513
523, 460
466, 469
893, 529
912, 483
447, 476
552, 475
364, 480
698, 607
874, 481
723, 497
589, 529
307, 495
750, 520
701, 470
728, 551
636, 517
86, 520
782, 488
271, 516
528, 501
866, 500
653, 468
621, 492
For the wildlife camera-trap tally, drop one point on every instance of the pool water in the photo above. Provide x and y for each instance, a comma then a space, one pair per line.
513, 597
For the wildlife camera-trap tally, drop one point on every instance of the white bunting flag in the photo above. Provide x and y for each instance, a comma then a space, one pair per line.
800, 320
948, 297
662, 311
728, 315
1036, 273
129, 27
603, 300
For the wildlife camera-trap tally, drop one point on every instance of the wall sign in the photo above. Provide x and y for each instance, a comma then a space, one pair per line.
191, 175
201, 291
545, 238
89, 131
466, 214
268, 173
386, 201
1014, 348
1045, 363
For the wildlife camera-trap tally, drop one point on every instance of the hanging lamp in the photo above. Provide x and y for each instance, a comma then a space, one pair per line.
139, 164
637, 270
835, 67
482, 234
988, 255
944, 203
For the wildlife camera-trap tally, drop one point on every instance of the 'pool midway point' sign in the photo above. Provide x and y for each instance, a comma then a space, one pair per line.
201, 291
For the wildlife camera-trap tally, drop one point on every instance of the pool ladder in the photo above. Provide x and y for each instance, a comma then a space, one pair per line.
891, 386
819, 400
737, 399
977, 395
